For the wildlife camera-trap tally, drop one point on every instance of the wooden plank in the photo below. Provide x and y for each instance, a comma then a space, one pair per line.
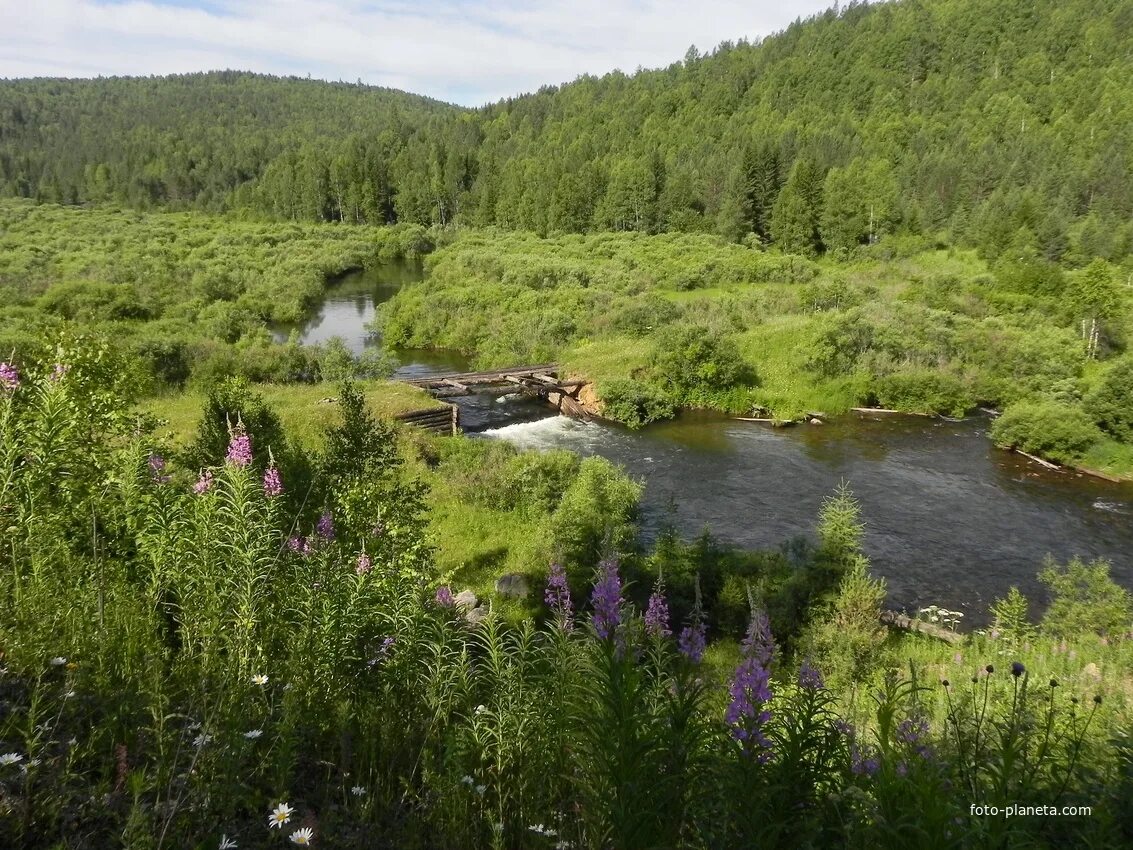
901, 621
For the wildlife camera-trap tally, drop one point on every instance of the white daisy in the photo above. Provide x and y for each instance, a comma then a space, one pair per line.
302, 836
253, 734
201, 740
30, 764
10, 758
467, 780
58, 661
260, 679
280, 816
226, 843
480, 789
358, 790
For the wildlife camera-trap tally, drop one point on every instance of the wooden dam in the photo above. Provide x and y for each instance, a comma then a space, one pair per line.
540, 381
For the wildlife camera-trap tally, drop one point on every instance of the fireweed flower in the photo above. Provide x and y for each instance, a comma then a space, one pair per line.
299, 545
607, 600
810, 679
157, 468
657, 614
557, 596
302, 836
364, 564
325, 526
58, 371
750, 690
273, 485
444, 597
239, 448
692, 641
204, 483
9, 376
280, 815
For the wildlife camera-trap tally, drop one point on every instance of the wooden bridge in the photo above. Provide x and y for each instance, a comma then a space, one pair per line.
538, 381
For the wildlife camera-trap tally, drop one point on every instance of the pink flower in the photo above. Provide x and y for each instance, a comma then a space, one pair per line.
204, 483
273, 485
364, 564
240, 448
9, 376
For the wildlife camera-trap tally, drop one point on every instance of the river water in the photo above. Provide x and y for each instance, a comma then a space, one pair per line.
950, 520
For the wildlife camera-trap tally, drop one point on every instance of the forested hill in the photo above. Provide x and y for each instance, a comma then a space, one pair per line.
1005, 123
188, 140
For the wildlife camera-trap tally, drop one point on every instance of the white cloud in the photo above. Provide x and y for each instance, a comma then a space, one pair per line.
459, 50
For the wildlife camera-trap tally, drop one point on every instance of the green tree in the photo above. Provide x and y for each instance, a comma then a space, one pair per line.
859, 203
1110, 404
798, 209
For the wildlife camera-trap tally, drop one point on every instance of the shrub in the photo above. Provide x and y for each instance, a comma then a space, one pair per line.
923, 391
694, 360
594, 515
1084, 599
1055, 431
634, 403
1110, 404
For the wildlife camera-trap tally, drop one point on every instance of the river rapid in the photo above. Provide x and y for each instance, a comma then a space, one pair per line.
950, 520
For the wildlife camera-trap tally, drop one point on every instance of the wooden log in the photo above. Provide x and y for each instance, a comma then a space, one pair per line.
875, 410
902, 621
457, 384
1039, 461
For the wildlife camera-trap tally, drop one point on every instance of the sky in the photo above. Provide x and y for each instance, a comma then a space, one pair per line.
463, 51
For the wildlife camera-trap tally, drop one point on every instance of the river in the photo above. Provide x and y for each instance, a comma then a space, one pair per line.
950, 520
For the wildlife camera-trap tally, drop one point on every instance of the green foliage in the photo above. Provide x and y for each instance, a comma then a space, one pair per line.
1084, 599
1011, 618
848, 639
595, 514
231, 404
1110, 403
634, 403
923, 391
1056, 431
694, 362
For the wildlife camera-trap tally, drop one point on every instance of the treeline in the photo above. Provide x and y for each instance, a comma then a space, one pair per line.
187, 141
1002, 124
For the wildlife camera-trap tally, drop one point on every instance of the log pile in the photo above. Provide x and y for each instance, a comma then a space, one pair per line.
436, 420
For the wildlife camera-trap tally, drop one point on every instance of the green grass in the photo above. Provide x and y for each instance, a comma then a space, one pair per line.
301, 407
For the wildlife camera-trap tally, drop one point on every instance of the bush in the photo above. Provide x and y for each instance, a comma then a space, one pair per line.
634, 403
695, 360
1056, 431
595, 514
1084, 599
1110, 404
923, 391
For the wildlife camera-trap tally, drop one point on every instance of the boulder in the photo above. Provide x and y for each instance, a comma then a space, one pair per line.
477, 615
513, 585
466, 600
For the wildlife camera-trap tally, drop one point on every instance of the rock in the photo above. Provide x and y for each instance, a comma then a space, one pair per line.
816, 421
466, 600
513, 585
477, 615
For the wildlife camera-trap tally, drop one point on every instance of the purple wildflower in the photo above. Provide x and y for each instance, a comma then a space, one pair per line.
325, 526
9, 376
58, 371
912, 730
378, 530
692, 642
557, 596
382, 654
157, 468
239, 448
657, 614
863, 760
273, 484
444, 597
299, 545
364, 564
1017, 669
751, 687
607, 600
204, 483
810, 678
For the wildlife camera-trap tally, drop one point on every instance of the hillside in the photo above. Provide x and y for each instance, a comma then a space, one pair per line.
188, 140
1000, 124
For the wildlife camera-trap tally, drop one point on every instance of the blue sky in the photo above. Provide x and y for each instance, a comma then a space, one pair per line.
462, 51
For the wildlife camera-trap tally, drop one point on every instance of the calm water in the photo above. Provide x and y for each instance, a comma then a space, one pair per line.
347, 312
950, 520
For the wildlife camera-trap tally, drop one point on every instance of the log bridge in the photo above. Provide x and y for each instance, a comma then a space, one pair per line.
538, 381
